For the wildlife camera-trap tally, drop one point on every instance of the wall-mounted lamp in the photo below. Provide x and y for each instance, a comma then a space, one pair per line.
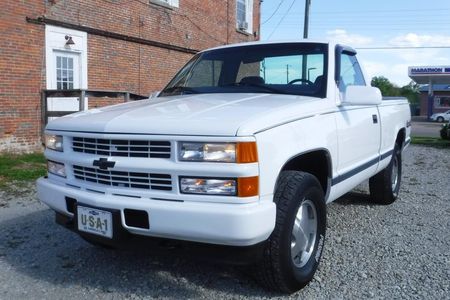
69, 40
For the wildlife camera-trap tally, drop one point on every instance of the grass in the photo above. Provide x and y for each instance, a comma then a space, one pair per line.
23, 167
429, 141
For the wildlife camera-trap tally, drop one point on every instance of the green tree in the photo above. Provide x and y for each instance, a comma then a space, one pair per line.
411, 91
386, 87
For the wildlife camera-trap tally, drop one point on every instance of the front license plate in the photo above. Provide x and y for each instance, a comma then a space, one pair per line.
95, 221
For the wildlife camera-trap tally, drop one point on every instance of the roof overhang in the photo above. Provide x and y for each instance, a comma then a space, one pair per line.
427, 74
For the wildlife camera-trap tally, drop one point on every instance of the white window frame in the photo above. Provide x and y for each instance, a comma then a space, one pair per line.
171, 3
248, 17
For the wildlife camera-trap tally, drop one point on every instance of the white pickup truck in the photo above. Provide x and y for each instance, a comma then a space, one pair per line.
244, 147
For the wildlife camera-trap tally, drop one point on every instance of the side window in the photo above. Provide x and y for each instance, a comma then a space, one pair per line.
205, 73
351, 73
244, 15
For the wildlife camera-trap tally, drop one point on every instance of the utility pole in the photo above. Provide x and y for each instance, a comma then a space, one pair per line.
287, 73
306, 25
305, 36
264, 69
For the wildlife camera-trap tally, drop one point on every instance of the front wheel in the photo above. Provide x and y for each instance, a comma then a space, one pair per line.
385, 185
293, 251
440, 119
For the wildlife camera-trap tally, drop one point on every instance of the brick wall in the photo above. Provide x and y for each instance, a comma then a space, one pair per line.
21, 76
112, 64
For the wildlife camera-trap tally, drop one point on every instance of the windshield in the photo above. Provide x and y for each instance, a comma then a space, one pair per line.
287, 68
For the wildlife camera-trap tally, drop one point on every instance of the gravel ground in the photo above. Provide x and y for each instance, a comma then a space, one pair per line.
397, 251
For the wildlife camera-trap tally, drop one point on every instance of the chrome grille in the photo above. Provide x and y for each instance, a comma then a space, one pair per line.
124, 179
127, 148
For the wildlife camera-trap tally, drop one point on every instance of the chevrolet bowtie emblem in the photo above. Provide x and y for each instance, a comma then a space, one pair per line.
103, 163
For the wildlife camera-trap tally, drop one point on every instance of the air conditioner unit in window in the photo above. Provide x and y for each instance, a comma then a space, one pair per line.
243, 25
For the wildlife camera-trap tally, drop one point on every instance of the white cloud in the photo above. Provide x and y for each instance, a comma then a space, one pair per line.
353, 40
373, 68
416, 40
393, 64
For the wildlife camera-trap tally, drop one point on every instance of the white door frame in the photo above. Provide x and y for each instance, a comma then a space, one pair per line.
55, 41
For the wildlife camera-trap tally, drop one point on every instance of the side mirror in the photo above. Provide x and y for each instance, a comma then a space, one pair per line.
153, 95
362, 95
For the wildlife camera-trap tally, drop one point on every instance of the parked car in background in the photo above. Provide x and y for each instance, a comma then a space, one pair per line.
441, 117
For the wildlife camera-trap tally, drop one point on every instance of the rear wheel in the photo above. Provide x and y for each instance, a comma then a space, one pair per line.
385, 185
293, 251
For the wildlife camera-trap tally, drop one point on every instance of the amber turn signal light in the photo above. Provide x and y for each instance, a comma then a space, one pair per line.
246, 152
248, 186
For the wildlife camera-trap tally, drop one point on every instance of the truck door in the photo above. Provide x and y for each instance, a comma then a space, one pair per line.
358, 127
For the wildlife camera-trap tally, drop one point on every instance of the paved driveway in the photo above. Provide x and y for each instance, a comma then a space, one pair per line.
425, 129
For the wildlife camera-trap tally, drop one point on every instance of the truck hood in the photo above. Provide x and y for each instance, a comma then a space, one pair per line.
205, 114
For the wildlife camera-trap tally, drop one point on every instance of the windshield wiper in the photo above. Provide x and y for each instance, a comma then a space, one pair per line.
261, 86
179, 89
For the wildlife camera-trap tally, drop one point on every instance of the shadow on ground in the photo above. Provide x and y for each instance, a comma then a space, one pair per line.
355, 198
36, 246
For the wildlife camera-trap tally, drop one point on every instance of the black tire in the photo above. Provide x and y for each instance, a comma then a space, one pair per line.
277, 271
440, 119
383, 188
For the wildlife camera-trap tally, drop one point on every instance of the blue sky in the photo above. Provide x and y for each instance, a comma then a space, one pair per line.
366, 23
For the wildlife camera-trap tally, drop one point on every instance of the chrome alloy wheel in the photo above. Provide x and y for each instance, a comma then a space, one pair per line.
394, 172
304, 233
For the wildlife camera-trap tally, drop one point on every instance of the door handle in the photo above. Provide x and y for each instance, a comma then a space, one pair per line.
375, 119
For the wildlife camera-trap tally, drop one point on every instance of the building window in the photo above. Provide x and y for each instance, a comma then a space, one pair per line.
442, 101
244, 15
172, 3
64, 73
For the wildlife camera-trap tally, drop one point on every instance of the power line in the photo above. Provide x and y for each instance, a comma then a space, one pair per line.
360, 26
402, 47
380, 11
440, 13
282, 18
371, 28
275, 11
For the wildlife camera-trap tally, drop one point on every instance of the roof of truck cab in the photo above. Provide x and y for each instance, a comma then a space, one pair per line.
328, 42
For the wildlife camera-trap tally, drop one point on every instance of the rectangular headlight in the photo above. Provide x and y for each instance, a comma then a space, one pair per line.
241, 152
54, 142
208, 186
56, 168
216, 152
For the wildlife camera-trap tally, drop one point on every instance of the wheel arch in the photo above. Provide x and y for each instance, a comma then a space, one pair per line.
316, 162
401, 137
